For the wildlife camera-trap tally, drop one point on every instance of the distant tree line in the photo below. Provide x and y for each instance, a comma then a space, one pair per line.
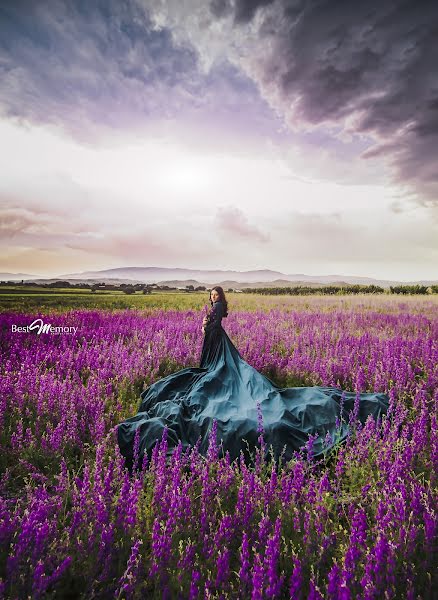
127, 288
342, 290
414, 289
302, 290
147, 288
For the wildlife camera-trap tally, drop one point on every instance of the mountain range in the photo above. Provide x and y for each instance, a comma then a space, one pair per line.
181, 277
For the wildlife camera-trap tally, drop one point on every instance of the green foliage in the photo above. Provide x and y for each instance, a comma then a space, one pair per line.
410, 289
302, 290
286, 378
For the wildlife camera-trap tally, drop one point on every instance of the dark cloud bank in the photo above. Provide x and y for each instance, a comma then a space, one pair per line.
87, 65
364, 67
373, 63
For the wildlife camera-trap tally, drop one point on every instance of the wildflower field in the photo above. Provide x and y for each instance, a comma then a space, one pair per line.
360, 523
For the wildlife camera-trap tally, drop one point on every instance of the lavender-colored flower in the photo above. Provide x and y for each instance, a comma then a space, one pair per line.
296, 579
371, 507
126, 584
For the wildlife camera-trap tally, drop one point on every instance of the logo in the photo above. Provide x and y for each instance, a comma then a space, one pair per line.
42, 327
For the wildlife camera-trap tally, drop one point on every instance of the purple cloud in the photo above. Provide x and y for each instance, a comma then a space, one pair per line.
367, 67
89, 68
233, 221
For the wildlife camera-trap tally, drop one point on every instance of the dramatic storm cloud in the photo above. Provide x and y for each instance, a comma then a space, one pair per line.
357, 69
89, 66
367, 67
294, 135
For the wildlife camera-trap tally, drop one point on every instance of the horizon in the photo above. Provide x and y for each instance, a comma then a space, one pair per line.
228, 133
338, 275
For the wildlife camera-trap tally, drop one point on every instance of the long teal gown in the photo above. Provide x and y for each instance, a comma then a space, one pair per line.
227, 389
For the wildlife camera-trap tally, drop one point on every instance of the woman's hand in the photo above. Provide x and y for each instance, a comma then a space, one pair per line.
204, 321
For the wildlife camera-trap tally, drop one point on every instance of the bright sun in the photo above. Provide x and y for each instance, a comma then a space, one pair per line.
185, 177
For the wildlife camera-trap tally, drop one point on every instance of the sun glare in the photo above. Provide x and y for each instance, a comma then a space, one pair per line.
184, 178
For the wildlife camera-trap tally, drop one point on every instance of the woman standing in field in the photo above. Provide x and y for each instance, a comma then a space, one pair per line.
212, 327
227, 389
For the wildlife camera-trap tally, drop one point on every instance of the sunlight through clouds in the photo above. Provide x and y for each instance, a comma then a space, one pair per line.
205, 126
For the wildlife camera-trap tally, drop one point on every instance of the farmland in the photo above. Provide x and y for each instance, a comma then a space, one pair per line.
360, 523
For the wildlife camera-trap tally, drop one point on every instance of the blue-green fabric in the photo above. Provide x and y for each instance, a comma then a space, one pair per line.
226, 388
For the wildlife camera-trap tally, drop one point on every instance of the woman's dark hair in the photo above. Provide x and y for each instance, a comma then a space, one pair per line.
222, 298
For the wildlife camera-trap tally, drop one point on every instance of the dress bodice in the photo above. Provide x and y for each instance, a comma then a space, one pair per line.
215, 316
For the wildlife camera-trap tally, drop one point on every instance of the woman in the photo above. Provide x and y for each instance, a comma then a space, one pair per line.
212, 328
227, 389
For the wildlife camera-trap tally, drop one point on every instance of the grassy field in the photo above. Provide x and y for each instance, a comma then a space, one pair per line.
65, 299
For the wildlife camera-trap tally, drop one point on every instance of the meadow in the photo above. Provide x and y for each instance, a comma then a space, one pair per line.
360, 523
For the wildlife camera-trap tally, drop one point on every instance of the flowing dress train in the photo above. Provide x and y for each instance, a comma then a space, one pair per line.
227, 389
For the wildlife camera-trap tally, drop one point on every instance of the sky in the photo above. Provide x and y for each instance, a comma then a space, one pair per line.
294, 135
